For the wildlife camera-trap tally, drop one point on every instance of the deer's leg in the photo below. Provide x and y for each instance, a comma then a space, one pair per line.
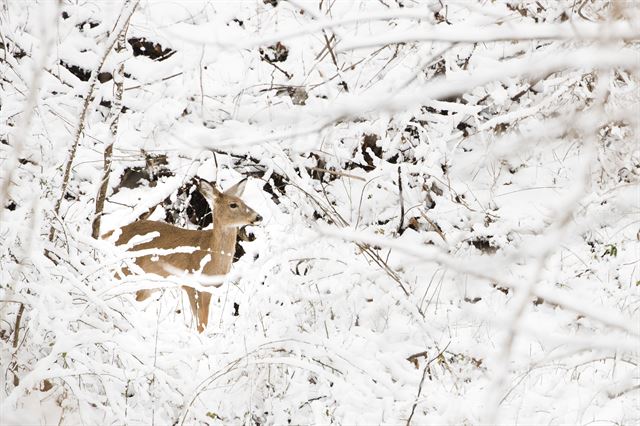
193, 301
203, 310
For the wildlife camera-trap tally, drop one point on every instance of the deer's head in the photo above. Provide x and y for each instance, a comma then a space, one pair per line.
228, 209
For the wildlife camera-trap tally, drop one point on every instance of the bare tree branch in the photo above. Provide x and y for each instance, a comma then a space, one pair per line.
108, 151
123, 21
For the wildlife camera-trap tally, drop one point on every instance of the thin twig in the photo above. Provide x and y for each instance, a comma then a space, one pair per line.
424, 374
273, 64
169, 77
401, 200
330, 49
16, 333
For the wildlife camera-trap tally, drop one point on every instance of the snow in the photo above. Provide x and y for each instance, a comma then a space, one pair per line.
450, 227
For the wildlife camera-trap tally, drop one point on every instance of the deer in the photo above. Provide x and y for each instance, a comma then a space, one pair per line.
229, 213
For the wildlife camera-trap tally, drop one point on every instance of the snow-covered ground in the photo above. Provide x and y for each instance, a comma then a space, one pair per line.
450, 196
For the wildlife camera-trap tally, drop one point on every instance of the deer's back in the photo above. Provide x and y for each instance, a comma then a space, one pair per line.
168, 237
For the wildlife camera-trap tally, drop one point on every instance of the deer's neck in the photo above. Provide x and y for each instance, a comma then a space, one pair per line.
223, 247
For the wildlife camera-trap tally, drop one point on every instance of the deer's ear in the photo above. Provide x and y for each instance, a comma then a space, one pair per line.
237, 189
208, 190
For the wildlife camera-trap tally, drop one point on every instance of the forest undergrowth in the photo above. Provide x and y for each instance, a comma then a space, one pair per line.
449, 189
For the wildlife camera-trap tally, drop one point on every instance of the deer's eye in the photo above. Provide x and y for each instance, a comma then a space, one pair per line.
233, 206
